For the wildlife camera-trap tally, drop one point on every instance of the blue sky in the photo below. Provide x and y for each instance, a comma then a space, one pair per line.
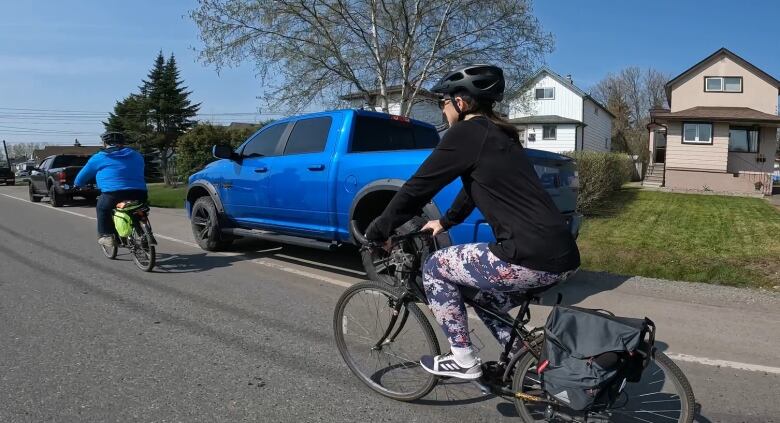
83, 56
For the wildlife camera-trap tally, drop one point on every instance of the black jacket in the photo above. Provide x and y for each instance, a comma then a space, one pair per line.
497, 178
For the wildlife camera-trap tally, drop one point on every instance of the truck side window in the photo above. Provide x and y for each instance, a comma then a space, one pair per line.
378, 134
264, 143
308, 136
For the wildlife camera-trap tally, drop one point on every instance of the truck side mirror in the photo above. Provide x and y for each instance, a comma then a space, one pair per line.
223, 152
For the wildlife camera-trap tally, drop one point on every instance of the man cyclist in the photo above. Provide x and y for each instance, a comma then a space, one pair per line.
534, 247
119, 171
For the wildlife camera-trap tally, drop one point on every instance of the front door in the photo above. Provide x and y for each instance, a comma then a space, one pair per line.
299, 187
38, 176
244, 188
659, 155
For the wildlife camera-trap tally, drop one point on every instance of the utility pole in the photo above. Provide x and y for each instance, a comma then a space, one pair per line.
7, 159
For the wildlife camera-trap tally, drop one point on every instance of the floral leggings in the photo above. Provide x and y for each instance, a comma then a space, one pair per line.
499, 284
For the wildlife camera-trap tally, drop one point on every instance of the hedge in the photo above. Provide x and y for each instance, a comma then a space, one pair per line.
600, 174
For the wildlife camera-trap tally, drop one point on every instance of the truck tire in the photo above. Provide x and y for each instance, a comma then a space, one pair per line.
55, 199
206, 226
384, 275
35, 198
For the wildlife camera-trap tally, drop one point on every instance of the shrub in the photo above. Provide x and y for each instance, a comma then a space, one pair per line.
600, 174
193, 149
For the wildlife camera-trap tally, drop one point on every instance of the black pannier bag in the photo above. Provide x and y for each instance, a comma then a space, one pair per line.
588, 354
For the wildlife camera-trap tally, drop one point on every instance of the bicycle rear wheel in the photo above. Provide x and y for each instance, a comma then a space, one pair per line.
392, 369
663, 395
142, 247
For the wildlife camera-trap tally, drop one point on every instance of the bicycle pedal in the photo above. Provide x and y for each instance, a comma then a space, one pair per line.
485, 389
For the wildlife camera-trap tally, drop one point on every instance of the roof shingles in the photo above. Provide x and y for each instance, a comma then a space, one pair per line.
719, 114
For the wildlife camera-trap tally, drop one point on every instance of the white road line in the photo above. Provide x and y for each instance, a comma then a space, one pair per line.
329, 266
333, 281
723, 363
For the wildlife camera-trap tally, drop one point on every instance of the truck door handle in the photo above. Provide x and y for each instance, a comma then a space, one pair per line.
317, 167
261, 169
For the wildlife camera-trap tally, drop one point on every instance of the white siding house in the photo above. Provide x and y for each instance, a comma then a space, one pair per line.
598, 126
426, 107
554, 115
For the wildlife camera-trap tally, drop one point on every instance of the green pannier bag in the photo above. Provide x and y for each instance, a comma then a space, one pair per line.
123, 223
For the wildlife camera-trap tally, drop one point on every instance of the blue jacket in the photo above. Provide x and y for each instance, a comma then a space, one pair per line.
115, 169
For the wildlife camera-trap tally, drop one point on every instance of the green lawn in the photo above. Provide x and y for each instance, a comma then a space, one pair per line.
162, 196
699, 238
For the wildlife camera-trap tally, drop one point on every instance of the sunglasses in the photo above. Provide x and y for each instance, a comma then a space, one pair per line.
443, 102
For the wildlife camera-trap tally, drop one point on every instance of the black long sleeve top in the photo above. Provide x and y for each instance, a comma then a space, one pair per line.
500, 180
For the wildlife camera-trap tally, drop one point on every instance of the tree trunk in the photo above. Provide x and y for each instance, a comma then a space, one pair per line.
164, 169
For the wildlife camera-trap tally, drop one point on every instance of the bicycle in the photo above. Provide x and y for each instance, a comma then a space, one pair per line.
395, 333
140, 241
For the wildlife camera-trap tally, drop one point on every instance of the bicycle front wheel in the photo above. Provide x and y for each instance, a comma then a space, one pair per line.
663, 395
392, 368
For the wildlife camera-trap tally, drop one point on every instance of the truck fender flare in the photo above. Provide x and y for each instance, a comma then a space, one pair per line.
430, 209
209, 187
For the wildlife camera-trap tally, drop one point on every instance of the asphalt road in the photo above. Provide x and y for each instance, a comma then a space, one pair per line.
246, 336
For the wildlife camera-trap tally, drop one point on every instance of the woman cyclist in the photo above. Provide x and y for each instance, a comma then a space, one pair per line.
534, 247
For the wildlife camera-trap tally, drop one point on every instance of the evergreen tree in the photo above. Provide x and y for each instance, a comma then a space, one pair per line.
130, 118
158, 115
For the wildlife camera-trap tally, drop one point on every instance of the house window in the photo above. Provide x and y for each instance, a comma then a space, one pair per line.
595, 110
545, 93
743, 140
697, 133
548, 132
606, 142
725, 84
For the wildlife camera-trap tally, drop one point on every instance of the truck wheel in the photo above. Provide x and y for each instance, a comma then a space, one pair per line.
55, 199
206, 227
31, 192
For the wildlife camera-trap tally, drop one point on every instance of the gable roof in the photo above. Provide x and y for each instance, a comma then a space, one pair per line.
544, 70
563, 81
721, 52
542, 119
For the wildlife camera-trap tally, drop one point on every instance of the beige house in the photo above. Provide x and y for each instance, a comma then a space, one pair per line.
720, 133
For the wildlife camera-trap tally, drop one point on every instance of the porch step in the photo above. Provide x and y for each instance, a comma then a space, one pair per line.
654, 176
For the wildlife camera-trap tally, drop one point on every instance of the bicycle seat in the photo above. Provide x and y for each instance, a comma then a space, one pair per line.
129, 204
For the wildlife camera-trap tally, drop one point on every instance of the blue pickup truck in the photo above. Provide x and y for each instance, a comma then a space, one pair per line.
317, 180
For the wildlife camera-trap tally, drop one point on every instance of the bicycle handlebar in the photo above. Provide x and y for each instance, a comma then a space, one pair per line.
395, 239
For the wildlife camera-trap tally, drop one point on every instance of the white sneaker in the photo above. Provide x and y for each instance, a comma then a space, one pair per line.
106, 241
445, 365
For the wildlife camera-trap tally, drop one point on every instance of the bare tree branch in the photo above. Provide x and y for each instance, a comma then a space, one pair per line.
322, 49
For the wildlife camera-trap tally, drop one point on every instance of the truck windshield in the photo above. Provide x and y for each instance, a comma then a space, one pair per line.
379, 134
65, 161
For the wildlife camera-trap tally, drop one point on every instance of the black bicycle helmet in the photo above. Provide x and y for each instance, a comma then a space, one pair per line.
483, 82
113, 138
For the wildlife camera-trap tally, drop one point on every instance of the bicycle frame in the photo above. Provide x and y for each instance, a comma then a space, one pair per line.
408, 286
